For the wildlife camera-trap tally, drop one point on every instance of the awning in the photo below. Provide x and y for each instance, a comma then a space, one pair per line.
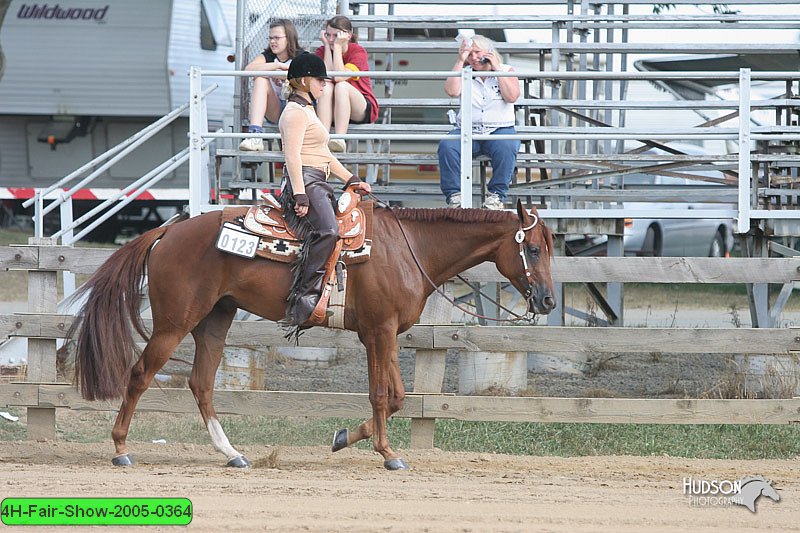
697, 88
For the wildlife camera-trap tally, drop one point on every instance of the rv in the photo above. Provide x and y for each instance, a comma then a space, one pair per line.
77, 77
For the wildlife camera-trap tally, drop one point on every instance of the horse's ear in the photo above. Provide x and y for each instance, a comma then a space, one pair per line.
522, 213
525, 215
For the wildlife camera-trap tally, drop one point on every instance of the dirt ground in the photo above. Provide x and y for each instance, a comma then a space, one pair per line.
311, 489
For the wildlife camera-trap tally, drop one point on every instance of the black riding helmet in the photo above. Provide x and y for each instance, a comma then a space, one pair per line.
306, 64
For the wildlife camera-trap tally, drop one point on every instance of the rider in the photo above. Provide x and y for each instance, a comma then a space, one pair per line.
306, 196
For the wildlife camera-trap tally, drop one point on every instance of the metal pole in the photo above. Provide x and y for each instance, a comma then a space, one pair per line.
239, 62
67, 240
743, 219
38, 217
195, 142
555, 84
128, 199
139, 185
466, 137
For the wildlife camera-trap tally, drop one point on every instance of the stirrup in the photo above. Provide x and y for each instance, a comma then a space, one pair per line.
316, 320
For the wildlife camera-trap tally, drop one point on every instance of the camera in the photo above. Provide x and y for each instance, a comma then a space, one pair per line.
484, 61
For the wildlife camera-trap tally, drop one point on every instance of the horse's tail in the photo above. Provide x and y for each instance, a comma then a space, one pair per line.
105, 344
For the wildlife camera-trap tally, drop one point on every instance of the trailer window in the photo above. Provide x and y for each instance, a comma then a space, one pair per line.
213, 28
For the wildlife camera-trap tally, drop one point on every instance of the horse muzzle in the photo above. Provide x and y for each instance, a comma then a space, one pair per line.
541, 300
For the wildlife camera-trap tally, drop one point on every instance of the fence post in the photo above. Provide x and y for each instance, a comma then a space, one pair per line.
429, 366
42, 298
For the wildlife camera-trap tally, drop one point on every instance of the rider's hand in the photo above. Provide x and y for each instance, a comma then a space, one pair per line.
301, 204
357, 185
362, 188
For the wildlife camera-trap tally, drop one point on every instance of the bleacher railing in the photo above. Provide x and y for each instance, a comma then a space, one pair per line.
742, 135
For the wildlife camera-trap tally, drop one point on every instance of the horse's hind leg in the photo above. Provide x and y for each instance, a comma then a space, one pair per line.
156, 353
209, 339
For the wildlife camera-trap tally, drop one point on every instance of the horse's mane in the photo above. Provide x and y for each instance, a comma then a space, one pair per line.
452, 215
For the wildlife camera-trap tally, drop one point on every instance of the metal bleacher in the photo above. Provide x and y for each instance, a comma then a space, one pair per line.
586, 123
564, 149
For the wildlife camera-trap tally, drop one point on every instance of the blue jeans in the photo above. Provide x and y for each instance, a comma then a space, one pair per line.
502, 152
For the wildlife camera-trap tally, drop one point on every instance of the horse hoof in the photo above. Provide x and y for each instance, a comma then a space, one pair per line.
339, 440
122, 460
395, 464
239, 462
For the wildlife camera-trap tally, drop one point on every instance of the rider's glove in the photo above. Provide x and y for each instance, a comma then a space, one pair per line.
352, 181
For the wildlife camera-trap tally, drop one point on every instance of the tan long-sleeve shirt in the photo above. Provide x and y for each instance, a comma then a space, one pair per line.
305, 144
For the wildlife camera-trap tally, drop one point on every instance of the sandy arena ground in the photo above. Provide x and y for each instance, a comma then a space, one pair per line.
311, 489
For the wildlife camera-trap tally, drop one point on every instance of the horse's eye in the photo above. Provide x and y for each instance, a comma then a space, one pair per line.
533, 250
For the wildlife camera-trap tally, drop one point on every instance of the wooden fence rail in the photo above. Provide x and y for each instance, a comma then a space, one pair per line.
565, 339
432, 339
565, 269
428, 406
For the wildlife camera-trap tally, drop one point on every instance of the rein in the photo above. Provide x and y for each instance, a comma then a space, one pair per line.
452, 301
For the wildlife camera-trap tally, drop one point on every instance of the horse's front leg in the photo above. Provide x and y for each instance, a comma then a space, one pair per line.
386, 394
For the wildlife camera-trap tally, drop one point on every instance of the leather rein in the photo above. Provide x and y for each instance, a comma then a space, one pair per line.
519, 237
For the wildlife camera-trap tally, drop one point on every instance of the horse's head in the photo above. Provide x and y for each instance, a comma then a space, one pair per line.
770, 492
752, 488
524, 258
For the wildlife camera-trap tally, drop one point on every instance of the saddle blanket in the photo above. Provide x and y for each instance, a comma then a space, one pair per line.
262, 232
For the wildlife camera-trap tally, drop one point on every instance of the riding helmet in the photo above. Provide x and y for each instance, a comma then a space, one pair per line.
307, 64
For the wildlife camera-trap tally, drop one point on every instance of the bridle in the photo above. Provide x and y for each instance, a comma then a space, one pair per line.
519, 238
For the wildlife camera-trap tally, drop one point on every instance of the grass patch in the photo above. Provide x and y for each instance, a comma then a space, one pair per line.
14, 236
716, 441
700, 441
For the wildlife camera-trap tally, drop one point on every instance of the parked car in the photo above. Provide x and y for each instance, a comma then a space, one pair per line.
669, 237
679, 237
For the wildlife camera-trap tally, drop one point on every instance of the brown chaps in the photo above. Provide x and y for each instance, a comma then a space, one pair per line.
319, 232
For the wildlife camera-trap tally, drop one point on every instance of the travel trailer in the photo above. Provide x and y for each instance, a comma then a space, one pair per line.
77, 77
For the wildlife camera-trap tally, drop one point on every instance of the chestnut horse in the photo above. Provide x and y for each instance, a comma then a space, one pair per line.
196, 288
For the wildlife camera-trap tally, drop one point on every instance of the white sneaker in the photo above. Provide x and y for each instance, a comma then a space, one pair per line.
337, 145
493, 201
454, 200
252, 144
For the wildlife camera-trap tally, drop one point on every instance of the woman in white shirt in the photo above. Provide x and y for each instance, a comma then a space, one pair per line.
492, 113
